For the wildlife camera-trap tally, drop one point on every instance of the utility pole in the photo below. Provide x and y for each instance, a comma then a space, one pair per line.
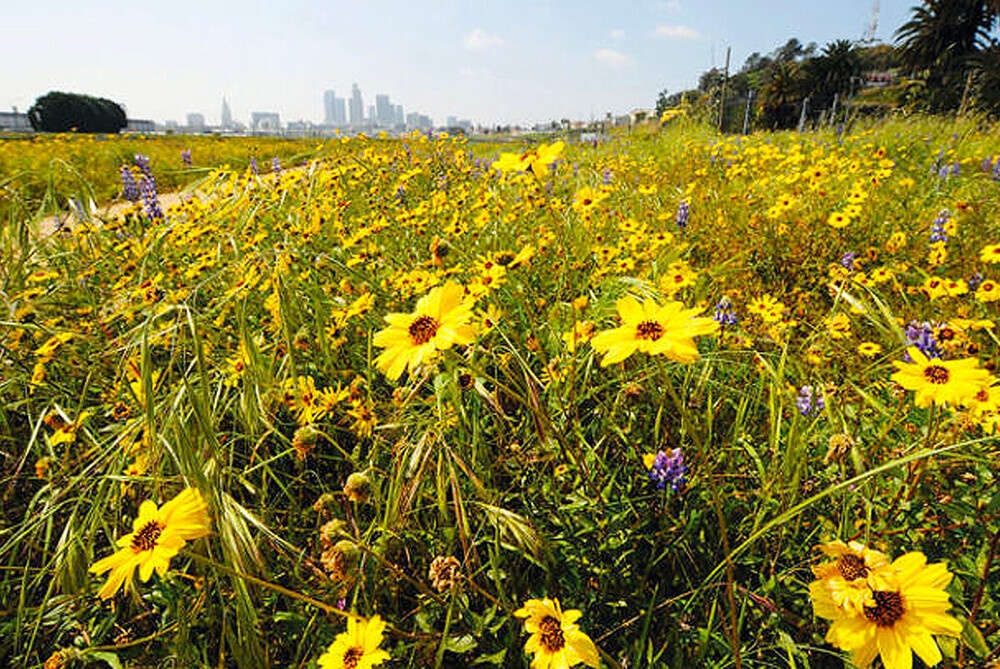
722, 95
746, 113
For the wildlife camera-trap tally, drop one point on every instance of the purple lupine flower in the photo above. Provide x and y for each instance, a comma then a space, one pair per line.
142, 162
936, 167
943, 172
809, 402
150, 198
938, 233
129, 187
955, 169
847, 260
401, 195
275, 165
668, 469
996, 170
987, 163
683, 214
974, 280
253, 165
724, 313
606, 178
186, 157
922, 336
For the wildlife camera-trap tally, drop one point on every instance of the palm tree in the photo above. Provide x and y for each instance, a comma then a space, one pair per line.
940, 41
833, 72
781, 96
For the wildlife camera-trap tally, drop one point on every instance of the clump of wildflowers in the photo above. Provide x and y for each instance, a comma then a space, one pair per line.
809, 402
725, 314
938, 232
147, 187
130, 189
683, 214
666, 467
922, 336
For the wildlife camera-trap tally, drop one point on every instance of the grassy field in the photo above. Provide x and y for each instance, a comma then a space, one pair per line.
732, 399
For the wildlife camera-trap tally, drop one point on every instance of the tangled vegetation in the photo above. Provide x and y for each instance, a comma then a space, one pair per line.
590, 404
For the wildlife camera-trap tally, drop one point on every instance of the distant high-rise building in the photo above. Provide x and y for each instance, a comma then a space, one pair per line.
415, 121
384, 111
329, 107
371, 114
196, 122
357, 106
265, 122
339, 111
398, 117
227, 115
451, 121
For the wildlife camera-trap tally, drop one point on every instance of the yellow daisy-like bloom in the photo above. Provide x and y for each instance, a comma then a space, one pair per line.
536, 161
358, 647
990, 253
988, 291
940, 381
844, 585
439, 322
158, 534
556, 641
869, 349
647, 327
901, 617
838, 219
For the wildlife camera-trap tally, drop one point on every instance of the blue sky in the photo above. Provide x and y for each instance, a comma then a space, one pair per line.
510, 61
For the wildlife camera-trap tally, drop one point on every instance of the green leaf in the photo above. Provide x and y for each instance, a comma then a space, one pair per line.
495, 659
103, 656
460, 644
973, 638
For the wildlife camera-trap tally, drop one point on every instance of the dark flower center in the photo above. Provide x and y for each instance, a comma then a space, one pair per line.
887, 610
852, 567
649, 330
937, 374
552, 634
353, 656
422, 330
145, 538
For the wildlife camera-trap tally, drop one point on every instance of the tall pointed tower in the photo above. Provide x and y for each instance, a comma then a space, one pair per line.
227, 115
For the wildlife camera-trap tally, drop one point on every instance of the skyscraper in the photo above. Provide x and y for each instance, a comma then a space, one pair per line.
329, 107
383, 110
357, 106
339, 111
227, 115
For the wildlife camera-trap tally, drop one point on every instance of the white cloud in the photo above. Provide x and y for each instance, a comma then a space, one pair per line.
677, 32
670, 5
480, 40
617, 33
611, 57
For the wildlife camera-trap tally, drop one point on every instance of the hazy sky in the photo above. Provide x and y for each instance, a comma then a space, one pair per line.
510, 61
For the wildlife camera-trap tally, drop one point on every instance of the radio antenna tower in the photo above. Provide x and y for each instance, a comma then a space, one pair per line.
869, 37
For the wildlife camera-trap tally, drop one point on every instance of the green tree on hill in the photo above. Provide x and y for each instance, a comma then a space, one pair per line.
72, 112
941, 43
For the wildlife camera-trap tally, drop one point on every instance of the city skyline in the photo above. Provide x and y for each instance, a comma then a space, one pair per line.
519, 62
384, 114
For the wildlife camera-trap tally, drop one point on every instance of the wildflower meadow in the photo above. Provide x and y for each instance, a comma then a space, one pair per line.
669, 398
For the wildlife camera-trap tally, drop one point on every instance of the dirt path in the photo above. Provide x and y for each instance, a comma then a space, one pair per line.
53, 224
